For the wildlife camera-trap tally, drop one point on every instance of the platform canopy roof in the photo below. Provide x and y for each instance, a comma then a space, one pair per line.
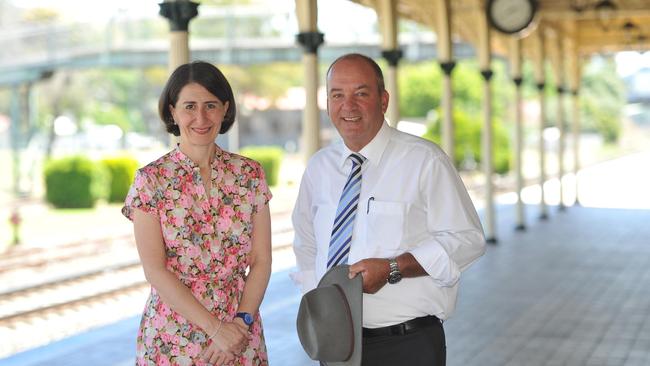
592, 26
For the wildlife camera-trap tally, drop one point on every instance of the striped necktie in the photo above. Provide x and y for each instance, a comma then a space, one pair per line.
345, 214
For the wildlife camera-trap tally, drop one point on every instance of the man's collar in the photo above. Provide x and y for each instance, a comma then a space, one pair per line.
373, 150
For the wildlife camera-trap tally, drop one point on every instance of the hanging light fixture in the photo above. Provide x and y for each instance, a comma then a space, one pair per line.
605, 10
631, 32
579, 5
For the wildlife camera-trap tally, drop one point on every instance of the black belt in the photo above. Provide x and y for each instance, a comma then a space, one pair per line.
407, 327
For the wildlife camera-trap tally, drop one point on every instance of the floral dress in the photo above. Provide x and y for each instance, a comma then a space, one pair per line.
208, 241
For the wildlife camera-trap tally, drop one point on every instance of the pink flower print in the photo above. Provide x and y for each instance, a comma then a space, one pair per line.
179, 318
183, 361
176, 351
230, 261
236, 168
236, 200
254, 340
236, 226
205, 260
166, 172
178, 216
246, 207
166, 337
233, 250
192, 349
205, 206
229, 179
169, 205
144, 197
139, 180
207, 229
185, 201
165, 310
176, 339
223, 223
263, 187
169, 231
245, 215
219, 296
172, 263
222, 271
226, 211
192, 251
198, 287
162, 360
246, 245
159, 321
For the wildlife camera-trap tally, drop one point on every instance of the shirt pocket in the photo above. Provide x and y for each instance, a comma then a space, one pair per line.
385, 227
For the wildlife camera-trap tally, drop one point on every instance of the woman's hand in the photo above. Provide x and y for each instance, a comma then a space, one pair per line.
216, 357
231, 338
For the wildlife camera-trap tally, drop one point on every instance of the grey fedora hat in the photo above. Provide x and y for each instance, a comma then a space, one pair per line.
329, 319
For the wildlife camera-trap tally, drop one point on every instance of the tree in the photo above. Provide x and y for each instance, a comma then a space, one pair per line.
420, 88
602, 99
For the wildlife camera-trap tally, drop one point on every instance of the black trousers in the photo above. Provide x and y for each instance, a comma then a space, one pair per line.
423, 347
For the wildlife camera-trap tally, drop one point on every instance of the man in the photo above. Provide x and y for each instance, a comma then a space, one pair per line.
396, 211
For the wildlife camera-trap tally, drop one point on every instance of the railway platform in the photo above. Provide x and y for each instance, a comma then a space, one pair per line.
573, 289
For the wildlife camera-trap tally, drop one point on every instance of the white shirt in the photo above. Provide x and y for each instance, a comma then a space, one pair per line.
412, 200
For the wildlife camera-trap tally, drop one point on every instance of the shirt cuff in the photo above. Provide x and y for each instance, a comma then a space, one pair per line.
436, 262
305, 280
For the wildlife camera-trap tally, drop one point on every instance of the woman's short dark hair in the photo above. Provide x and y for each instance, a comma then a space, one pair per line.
204, 74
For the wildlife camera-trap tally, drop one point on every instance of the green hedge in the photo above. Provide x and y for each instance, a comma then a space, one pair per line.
121, 171
74, 182
270, 157
467, 138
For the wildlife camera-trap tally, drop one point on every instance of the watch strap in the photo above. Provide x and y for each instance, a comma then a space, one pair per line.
395, 275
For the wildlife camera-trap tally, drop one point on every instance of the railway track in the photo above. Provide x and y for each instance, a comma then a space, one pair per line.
20, 305
85, 287
26, 258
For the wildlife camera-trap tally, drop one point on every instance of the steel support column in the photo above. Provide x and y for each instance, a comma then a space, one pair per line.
558, 63
540, 79
447, 64
487, 158
515, 67
179, 13
387, 14
310, 39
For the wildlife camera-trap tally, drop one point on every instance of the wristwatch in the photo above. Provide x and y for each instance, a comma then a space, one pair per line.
394, 276
246, 317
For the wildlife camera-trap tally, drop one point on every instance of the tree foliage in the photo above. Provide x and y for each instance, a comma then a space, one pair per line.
602, 100
467, 139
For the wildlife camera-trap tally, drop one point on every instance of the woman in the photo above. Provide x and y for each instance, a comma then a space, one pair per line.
201, 221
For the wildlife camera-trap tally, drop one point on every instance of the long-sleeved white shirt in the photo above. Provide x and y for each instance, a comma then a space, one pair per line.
412, 200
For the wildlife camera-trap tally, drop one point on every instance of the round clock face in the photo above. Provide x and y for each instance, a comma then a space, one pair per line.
510, 16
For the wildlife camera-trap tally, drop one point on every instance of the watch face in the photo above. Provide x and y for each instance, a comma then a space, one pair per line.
246, 317
511, 16
394, 278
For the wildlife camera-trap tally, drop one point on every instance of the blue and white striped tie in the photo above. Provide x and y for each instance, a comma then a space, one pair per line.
345, 214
